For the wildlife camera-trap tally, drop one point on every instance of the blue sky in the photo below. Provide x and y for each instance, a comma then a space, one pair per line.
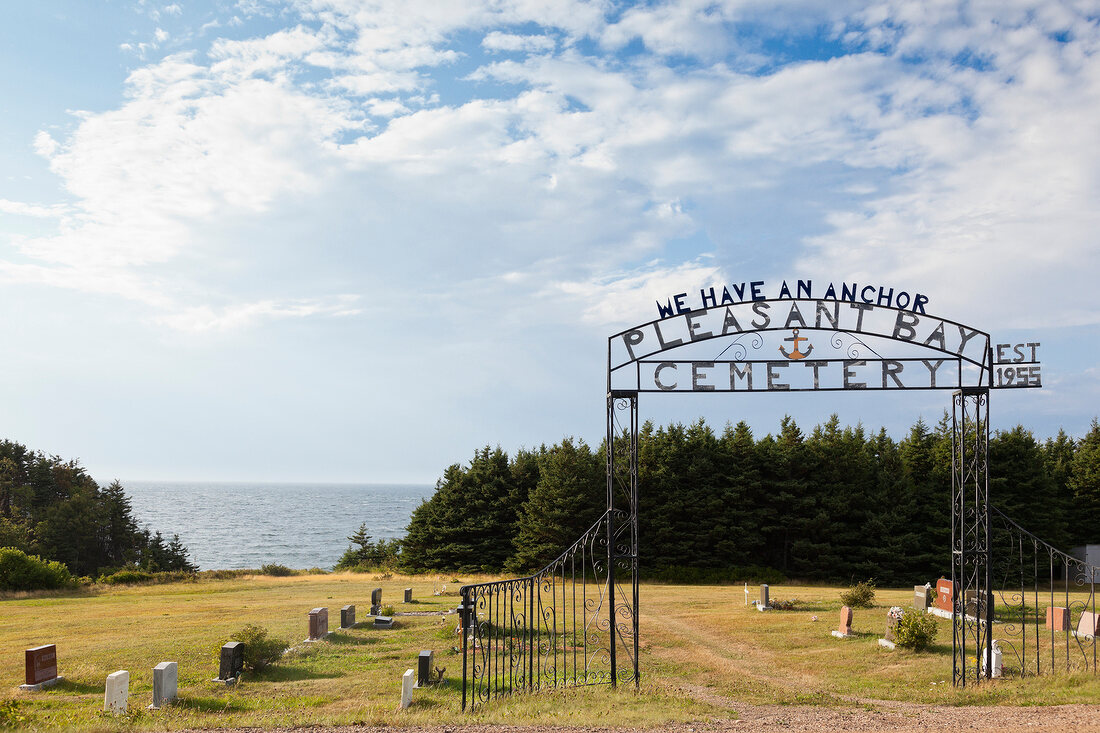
347, 241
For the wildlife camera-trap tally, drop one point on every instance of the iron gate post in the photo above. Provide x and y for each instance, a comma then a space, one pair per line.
971, 561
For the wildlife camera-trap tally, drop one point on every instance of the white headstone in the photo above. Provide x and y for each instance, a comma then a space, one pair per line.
407, 681
165, 679
116, 696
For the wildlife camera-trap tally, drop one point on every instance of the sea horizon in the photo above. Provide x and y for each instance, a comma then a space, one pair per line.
229, 525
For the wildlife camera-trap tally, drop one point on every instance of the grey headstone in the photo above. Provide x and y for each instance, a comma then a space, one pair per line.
376, 597
425, 664
764, 601
165, 683
116, 694
347, 617
406, 689
920, 597
408, 595
232, 660
383, 622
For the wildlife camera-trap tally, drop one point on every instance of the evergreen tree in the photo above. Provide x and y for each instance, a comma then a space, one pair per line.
569, 497
1085, 483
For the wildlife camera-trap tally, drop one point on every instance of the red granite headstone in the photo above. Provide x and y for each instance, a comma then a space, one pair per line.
1057, 618
945, 594
41, 664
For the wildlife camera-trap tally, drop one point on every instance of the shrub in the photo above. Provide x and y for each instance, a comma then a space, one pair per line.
386, 611
783, 604
276, 570
915, 630
126, 577
20, 571
860, 595
259, 650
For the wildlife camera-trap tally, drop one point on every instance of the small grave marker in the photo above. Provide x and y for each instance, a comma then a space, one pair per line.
406, 689
231, 663
165, 679
383, 622
1057, 618
920, 597
845, 628
347, 617
425, 663
117, 693
41, 663
408, 595
1089, 624
318, 624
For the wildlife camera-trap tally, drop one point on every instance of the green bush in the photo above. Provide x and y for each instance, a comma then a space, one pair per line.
259, 650
915, 630
20, 571
276, 570
126, 576
860, 595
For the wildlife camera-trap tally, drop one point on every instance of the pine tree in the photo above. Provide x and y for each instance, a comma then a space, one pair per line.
1085, 483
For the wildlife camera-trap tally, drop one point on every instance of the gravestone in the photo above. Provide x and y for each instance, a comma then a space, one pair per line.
1057, 618
845, 629
41, 667
383, 622
764, 600
920, 597
318, 624
231, 663
406, 689
165, 679
1089, 624
117, 693
425, 663
376, 602
347, 617
945, 595
408, 595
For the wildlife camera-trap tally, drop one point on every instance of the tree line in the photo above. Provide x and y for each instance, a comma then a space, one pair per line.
52, 508
837, 503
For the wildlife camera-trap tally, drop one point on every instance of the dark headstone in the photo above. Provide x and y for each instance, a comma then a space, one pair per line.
41, 664
424, 665
764, 596
383, 622
376, 597
920, 598
347, 617
318, 623
232, 660
408, 595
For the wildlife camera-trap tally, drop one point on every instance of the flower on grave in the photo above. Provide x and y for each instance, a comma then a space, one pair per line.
813, 618
895, 613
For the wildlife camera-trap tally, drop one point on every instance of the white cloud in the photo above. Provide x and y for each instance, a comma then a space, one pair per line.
20, 208
498, 41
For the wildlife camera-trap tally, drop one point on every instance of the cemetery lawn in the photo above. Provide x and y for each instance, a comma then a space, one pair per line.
704, 654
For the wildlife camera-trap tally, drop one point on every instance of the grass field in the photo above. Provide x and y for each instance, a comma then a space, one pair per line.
701, 648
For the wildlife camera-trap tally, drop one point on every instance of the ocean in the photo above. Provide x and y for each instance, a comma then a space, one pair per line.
246, 525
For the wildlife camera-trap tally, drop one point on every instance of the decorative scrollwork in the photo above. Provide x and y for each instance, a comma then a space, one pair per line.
851, 349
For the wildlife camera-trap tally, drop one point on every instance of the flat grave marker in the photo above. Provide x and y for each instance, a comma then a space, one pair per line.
383, 622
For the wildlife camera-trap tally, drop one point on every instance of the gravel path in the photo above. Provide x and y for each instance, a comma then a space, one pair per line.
880, 717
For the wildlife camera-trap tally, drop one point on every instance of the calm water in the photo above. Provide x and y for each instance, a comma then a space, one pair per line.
245, 525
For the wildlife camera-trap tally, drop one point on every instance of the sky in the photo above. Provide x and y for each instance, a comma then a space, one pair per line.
336, 240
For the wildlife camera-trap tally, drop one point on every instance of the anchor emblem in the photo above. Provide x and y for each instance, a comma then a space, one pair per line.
795, 353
